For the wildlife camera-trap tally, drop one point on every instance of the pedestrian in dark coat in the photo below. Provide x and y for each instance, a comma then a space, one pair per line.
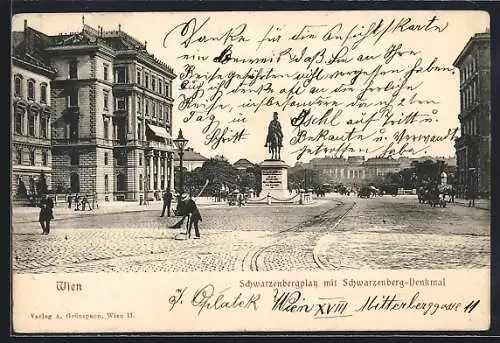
167, 201
191, 209
46, 213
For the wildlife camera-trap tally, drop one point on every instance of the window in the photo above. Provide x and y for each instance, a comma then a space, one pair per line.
120, 159
106, 99
72, 127
139, 131
153, 83
32, 157
153, 108
139, 101
146, 80
146, 106
43, 93
73, 69
44, 158
18, 125
75, 183
105, 158
31, 125
167, 89
72, 100
138, 78
43, 127
18, 85
31, 89
121, 182
106, 72
160, 86
140, 159
121, 103
106, 129
121, 75
74, 159
141, 182
19, 156
106, 183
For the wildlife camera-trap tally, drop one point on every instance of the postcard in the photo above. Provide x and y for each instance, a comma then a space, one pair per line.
250, 171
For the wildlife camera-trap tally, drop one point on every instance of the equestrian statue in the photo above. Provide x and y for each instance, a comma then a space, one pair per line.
274, 140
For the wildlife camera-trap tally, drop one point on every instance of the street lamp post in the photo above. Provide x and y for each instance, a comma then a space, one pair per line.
180, 142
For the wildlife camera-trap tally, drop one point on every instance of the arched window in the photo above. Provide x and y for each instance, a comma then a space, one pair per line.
105, 158
75, 183
32, 157
43, 93
18, 79
44, 158
121, 182
106, 183
19, 156
18, 122
31, 89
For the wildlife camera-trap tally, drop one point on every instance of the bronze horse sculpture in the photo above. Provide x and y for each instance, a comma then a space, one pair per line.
274, 138
273, 145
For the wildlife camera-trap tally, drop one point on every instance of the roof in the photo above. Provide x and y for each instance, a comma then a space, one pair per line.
478, 37
28, 47
243, 162
116, 40
191, 155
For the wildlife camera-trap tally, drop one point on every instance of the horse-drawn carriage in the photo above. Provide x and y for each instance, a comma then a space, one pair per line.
434, 195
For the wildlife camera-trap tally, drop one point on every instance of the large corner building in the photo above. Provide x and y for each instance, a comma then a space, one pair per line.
111, 118
473, 147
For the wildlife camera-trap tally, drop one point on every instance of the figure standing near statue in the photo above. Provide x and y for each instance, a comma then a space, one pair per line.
274, 139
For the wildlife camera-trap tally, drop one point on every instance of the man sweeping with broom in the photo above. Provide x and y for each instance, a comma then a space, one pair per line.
181, 209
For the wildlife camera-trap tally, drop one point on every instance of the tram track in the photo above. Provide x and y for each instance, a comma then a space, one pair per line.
319, 221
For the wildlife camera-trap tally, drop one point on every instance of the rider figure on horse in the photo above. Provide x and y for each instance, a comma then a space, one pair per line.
274, 139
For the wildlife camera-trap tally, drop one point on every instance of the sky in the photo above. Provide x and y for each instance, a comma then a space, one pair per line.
152, 27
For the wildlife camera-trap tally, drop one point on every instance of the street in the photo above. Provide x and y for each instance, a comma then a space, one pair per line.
333, 233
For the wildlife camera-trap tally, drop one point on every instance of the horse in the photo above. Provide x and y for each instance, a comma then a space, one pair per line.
273, 145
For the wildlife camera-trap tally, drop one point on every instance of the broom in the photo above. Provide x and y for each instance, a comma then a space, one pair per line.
178, 224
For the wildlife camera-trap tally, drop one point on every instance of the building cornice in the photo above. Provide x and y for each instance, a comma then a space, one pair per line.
476, 39
32, 67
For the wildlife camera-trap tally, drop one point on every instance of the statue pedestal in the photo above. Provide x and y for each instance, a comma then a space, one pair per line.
275, 180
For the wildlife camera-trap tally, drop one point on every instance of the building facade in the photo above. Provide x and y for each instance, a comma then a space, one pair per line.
191, 160
113, 115
473, 147
31, 113
354, 170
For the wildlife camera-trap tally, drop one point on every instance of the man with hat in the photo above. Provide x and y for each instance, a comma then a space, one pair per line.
192, 211
46, 214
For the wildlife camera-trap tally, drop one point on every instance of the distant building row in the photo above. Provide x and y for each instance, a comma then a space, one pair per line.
355, 169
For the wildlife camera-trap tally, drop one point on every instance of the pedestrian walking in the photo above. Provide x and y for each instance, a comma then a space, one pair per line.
471, 196
46, 213
194, 215
69, 199
167, 201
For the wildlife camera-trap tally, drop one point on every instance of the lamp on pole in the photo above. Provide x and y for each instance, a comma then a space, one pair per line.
180, 143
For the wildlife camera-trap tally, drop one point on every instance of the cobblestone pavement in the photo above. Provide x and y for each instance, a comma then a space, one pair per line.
339, 233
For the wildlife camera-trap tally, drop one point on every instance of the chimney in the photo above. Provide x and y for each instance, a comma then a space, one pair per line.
145, 44
28, 39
